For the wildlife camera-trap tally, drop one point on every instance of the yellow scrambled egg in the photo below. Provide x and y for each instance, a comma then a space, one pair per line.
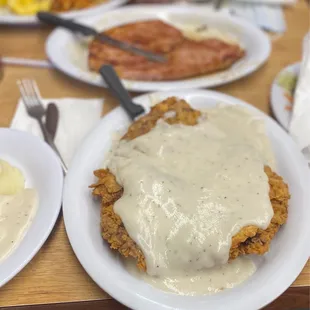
27, 7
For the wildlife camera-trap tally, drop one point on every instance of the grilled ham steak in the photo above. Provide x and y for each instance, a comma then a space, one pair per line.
185, 58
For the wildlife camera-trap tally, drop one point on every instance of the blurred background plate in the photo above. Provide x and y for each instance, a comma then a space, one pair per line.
282, 94
69, 53
14, 19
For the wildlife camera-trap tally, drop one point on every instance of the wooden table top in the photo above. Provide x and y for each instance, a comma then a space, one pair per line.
54, 275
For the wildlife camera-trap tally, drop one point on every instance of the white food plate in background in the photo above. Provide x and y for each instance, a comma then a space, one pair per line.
6, 17
69, 52
275, 271
281, 99
42, 171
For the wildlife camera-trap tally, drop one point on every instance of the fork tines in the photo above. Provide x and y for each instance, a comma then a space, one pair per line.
31, 97
29, 91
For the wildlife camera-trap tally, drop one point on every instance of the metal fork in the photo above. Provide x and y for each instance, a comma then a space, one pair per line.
31, 97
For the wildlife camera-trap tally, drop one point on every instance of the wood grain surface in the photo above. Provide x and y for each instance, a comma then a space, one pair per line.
294, 298
55, 275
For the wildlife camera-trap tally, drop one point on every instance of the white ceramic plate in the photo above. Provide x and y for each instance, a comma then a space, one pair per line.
13, 19
69, 55
275, 271
279, 97
42, 171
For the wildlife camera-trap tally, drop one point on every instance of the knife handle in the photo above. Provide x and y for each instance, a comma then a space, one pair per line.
116, 86
55, 20
51, 119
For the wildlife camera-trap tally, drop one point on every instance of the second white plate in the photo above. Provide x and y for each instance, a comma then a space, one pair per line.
42, 171
69, 54
281, 99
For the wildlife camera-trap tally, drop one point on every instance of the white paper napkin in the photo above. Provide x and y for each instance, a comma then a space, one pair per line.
76, 118
265, 14
300, 123
267, 17
269, 2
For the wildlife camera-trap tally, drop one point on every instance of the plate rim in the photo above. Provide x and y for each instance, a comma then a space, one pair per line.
23, 261
127, 298
151, 86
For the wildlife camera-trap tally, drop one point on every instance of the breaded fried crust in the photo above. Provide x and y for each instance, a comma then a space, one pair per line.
249, 240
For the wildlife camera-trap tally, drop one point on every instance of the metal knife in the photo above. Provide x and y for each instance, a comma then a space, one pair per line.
52, 19
51, 120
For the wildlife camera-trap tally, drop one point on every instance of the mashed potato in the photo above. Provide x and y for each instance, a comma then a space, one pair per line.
11, 179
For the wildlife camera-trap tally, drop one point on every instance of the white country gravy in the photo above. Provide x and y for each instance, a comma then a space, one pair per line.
189, 189
204, 282
16, 214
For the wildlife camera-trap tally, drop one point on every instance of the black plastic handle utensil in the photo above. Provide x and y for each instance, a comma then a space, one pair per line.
54, 20
51, 119
119, 91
